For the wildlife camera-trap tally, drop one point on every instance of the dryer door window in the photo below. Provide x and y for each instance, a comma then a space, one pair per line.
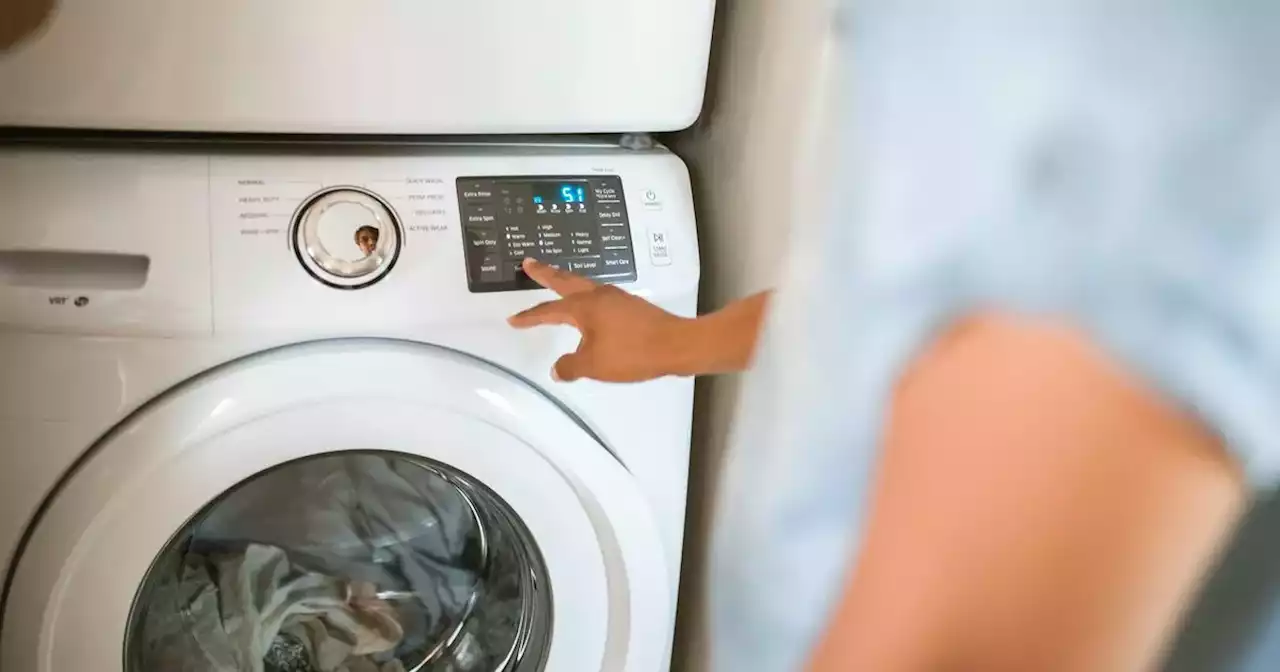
359, 561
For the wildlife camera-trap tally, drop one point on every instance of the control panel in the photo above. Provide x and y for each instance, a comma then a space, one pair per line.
392, 237
576, 223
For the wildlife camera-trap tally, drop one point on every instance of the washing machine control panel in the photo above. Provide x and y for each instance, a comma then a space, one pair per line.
576, 223
320, 240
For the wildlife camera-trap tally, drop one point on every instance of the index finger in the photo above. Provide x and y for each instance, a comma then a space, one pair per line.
556, 280
551, 312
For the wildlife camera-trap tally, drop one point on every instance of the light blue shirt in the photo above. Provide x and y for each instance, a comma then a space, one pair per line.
1116, 162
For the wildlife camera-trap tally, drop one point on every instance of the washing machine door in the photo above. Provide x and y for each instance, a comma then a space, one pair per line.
355, 506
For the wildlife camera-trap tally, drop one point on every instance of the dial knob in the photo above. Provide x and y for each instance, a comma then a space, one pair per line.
346, 237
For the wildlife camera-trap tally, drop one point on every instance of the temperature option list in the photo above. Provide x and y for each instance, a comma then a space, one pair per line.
578, 224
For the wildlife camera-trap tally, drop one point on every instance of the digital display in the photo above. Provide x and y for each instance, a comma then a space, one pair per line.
578, 224
551, 192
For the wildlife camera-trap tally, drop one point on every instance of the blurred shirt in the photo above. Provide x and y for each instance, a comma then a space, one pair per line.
1115, 163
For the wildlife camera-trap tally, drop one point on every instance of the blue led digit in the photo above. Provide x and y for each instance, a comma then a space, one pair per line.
566, 193
582, 195
537, 199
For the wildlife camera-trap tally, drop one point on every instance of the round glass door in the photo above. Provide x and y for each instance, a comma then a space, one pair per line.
347, 562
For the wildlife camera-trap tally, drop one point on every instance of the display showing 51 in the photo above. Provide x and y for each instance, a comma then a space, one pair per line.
553, 194
573, 193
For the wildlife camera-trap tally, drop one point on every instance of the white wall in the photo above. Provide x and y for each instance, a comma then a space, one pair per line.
757, 144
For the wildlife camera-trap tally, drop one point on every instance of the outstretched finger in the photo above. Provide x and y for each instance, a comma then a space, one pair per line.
561, 282
551, 312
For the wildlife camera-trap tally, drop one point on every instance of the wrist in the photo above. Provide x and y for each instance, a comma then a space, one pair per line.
708, 345
720, 342
685, 349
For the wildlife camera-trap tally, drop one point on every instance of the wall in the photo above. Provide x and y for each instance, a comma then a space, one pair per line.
755, 145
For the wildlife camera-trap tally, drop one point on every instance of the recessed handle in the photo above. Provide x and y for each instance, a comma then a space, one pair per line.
46, 269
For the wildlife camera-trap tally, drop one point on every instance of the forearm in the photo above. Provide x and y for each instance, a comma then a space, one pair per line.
720, 342
1056, 517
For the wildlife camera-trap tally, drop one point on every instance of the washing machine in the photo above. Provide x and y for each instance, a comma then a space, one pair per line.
261, 409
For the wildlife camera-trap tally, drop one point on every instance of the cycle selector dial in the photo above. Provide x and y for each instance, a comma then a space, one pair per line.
346, 237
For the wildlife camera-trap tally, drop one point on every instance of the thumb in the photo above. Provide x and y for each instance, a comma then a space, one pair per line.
569, 368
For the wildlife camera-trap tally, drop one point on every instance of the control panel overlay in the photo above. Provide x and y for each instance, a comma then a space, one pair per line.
576, 223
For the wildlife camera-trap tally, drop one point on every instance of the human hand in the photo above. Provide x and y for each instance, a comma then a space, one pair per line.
624, 337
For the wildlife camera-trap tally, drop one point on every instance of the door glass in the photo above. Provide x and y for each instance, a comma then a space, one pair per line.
347, 562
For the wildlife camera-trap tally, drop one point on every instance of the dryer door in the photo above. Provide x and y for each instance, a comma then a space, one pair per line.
374, 66
348, 505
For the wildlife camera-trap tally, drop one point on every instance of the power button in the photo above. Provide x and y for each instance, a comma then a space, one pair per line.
652, 200
650, 196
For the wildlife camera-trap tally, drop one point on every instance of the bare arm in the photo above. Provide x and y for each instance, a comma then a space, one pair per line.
723, 341
627, 339
1035, 509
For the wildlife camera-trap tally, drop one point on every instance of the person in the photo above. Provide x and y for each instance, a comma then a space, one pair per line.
1012, 395
367, 239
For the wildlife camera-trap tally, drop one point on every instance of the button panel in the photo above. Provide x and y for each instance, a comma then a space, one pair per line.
574, 223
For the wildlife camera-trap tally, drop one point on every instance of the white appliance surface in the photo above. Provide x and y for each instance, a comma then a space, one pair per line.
162, 342
378, 66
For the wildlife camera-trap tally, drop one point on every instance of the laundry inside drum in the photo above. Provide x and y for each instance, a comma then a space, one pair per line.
347, 562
